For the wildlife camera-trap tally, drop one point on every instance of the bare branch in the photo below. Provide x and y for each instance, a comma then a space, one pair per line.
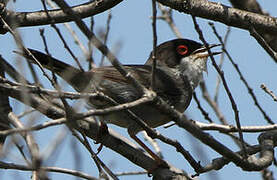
226, 87
224, 14
50, 169
263, 43
250, 90
268, 91
90, 8
231, 128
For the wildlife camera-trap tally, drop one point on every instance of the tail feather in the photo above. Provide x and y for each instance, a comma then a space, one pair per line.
75, 77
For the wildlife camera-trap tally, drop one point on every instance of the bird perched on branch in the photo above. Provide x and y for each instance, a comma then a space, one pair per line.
180, 64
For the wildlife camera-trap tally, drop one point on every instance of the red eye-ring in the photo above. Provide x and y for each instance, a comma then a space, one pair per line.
182, 49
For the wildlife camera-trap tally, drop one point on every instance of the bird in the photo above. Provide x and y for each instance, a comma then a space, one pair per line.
180, 64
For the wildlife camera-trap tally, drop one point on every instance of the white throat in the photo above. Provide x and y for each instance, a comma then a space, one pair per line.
192, 69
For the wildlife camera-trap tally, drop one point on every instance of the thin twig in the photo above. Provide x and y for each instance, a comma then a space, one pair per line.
90, 47
54, 77
21, 46
212, 103
106, 35
27, 112
154, 53
250, 90
204, 113
52, 93
268, 91
31, 144
131, 173
61, 36
54, 83
218, 80
263, 43
98, 161
230, 128
118, 107
53, 145
102, 48
21, 151
234, 106
34, 128
154, 144
167, 16
4, 165
71, 31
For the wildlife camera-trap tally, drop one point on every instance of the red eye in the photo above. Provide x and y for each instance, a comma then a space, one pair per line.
182, 49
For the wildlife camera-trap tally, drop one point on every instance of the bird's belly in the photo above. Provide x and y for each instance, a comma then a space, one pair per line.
150, 115
117, 118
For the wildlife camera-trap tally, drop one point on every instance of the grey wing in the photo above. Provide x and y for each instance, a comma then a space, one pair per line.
109, 81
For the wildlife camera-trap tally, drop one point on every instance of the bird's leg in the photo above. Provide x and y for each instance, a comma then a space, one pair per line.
160, 162
103, 129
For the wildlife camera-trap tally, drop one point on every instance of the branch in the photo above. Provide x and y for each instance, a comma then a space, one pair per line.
263, 43
87, 125
4, 165
224, 14
268, 91
5, 109
231, 128
267, 141
91, 8
242, 78
248, 5
253, 6
200, 8
245, 164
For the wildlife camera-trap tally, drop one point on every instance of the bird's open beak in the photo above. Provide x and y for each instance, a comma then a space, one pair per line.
203, 52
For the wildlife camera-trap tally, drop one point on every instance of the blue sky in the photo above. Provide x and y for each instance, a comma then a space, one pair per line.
131, 27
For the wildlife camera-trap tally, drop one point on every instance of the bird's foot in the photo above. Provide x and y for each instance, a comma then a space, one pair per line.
103, 130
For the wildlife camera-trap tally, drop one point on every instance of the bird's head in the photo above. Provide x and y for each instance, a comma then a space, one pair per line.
183, 56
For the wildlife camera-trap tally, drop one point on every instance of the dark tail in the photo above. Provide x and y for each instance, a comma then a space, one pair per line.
75, 77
